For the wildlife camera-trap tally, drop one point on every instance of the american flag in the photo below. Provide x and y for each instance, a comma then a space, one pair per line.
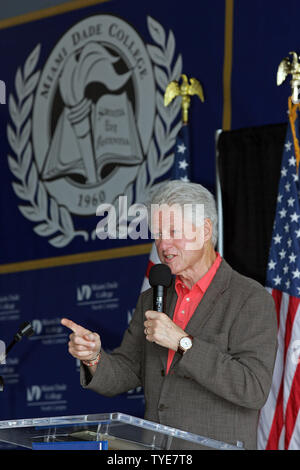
182, 165
279, 424
181, 170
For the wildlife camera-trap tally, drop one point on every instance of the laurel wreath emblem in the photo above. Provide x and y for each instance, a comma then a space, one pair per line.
54, 220
52, 217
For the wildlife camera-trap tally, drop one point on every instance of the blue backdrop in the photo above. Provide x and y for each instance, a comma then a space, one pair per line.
51, 263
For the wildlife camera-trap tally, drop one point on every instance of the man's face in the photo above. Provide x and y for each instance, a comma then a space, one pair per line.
179, 243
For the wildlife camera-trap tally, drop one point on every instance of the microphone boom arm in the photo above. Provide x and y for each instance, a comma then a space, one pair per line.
24, 330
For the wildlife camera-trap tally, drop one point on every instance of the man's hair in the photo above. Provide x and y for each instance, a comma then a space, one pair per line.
180, 192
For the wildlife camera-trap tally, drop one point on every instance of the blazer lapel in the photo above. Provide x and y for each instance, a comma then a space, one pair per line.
171, 299
214, 291
205, 308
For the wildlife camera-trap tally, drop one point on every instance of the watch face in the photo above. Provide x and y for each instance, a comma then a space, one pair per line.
186, 343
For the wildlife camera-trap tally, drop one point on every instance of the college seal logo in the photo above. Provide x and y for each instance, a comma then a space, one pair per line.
91, 124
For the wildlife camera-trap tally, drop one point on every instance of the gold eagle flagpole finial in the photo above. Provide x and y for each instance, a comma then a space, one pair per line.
185, 90
286, 67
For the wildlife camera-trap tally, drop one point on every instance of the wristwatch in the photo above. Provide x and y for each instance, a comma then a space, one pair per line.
185, 344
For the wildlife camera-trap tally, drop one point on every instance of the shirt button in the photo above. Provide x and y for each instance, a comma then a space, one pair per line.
182, 311
187, 299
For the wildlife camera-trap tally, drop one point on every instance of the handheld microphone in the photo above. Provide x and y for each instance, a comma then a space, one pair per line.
160, 278
24, 330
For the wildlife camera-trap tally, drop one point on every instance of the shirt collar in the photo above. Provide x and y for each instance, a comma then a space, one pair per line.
205, 280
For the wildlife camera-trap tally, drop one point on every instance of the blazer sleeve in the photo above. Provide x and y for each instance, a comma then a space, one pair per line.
243, 373
120, 370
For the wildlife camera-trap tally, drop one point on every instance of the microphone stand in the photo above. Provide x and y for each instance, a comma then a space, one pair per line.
24, 330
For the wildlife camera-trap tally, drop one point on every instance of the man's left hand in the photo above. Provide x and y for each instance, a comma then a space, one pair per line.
159, 328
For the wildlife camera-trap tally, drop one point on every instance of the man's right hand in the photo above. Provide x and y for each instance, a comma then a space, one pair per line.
83, 344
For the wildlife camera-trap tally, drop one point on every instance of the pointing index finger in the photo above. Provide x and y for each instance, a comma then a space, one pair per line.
77, 329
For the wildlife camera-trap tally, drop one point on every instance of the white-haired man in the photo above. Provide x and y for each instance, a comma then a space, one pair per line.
206, 363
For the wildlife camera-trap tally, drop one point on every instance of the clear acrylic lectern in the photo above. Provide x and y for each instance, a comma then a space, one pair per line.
120, 431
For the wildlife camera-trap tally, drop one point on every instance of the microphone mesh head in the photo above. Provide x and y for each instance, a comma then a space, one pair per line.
160, 275
26, 329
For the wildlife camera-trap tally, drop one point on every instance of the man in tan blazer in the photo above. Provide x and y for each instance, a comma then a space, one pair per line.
206, 363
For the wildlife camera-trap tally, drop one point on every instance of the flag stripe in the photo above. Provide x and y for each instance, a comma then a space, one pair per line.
293, 331
150, 264
295, 438
278, 424
277, 296
153, 259
269, 414
293, 306
278, 420
292, 409
292, 372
